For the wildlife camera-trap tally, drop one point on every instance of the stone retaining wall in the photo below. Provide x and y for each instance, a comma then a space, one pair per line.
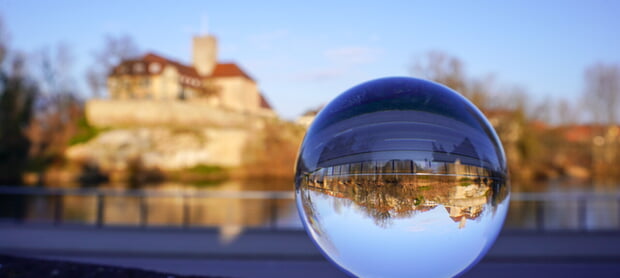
128, 113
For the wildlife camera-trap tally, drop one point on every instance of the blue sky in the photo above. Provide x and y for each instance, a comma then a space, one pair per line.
305, 53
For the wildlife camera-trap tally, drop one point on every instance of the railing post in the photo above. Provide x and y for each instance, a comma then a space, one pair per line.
144, 211
273, 213
540, 215
18, 213
100, 210
186, 212
58, 208
582, 213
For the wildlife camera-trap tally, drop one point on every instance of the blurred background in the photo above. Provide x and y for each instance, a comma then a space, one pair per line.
189, 114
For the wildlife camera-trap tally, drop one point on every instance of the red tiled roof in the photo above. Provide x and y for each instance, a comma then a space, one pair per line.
183, 69
189, 75
127, 67
491, 113
584, 132
152, 57
457, 218
153, 64
578, 133
539, 125
313, 111
263, 102
229, 70
149, 59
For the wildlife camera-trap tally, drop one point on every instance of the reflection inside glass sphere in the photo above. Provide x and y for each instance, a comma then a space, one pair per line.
401, 177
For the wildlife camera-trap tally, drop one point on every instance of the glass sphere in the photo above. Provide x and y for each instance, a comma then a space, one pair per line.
402, 177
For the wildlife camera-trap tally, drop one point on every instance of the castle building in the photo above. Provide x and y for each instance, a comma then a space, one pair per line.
154, 77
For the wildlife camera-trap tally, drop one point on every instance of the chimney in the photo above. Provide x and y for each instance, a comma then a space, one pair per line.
205, 54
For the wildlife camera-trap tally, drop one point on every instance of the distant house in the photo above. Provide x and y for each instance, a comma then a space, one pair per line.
307, 117
154, 77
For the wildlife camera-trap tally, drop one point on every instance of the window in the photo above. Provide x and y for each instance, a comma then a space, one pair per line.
138, 67
154, 67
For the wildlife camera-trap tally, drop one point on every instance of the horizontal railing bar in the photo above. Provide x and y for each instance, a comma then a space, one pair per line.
11, 190
516, 196
409, 174
564, 196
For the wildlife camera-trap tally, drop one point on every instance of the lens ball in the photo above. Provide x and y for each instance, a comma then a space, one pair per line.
402, 177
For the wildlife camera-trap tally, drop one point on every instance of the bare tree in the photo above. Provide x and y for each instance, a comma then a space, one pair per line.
441, 67
550, 110
37, 108
567, 113
55, 67
602, 99
540, 110
602, 92
449, 71
57, 108
17, 95
4, 37
115, 49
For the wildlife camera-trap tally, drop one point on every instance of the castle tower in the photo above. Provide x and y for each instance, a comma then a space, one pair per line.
205, 54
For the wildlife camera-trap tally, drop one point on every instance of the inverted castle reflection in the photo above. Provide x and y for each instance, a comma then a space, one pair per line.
390, 166
400, 189
392, 218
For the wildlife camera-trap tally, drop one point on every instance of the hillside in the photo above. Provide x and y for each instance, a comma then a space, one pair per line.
163, 140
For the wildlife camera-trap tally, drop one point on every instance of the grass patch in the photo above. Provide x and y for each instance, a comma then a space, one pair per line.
206, 169
465, 181
84, 132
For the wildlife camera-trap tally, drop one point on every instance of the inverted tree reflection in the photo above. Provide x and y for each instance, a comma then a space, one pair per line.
387, 190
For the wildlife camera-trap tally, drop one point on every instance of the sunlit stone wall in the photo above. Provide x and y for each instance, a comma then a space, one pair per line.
124, 113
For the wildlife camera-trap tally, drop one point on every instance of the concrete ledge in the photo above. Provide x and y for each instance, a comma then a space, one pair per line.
279, 244
290, 253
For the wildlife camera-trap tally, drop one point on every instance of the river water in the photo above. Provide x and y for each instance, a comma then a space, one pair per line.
557, 205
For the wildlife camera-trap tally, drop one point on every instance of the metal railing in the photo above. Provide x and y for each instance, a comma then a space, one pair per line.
536, 211
584, 209
58, 195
